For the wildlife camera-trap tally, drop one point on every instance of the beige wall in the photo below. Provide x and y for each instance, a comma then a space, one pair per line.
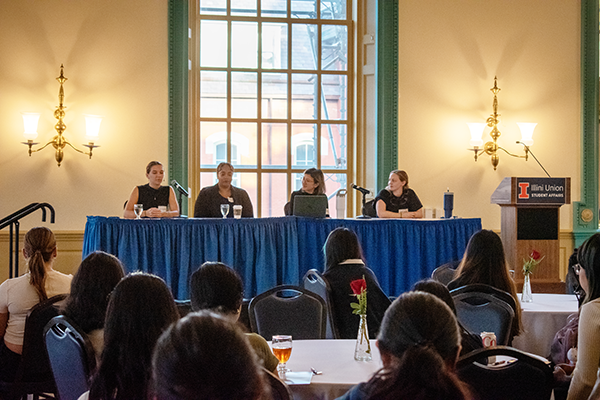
449, 55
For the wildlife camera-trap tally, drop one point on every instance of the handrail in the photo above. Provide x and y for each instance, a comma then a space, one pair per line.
12, 220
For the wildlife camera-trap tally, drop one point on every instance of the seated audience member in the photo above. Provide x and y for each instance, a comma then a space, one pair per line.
469, 341
210, 198
19, 295
217, 287
95, 279
419, 343
397, 200
153, 196
139, 309
344, 264
313, 183
584, 384
484, 262
205, 356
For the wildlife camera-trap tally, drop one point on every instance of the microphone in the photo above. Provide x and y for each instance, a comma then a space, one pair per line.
179, 188
360, 189
534, 157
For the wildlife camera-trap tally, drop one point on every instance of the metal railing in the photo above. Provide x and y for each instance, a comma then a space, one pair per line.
13, 221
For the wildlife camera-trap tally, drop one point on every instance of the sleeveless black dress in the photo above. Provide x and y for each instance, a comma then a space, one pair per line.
151, 197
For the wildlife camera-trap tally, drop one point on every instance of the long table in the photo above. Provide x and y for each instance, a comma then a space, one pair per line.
272, 251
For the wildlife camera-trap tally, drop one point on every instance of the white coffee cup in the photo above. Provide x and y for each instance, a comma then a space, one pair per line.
237, 211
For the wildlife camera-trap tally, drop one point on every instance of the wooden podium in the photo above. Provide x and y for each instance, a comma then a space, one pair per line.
530, 221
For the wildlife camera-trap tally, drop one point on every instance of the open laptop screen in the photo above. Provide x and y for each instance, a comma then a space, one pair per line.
310, 206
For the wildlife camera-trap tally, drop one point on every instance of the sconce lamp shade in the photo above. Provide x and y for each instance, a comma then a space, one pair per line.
527, 132
476, 129
92, 127
30, 124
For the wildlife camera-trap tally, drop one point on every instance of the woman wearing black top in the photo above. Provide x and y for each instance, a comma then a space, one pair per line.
153, 196
313, 182
397, 200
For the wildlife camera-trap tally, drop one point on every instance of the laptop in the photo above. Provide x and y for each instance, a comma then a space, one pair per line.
311, 206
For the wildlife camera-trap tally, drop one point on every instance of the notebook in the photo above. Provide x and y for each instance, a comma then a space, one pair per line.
311, 206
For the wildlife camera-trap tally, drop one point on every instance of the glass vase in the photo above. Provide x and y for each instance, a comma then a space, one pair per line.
362, 350
526, 295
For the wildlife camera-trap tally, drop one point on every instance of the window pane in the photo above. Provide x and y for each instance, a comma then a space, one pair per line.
304, 146
335, 9
208, 179
212, 135
274, 95
274, 8
213, 7
334, 47
243, 7
274, 46
304, 46
304, 95
244, 94
335, 138
213, 94
248, 181
304, 8
213, 44
244, 137
335, 89
274, 145
334, 182
274, 194
244, 44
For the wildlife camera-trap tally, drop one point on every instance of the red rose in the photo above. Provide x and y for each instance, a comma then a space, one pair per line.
535, 255
358, 286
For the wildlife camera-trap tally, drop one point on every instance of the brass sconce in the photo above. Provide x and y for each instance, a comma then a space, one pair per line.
30, 122
491, 148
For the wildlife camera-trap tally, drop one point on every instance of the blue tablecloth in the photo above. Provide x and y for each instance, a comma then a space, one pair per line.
272, 251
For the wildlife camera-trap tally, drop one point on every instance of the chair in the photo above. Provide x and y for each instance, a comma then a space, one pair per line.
288, 310
483, 288
529, 377
34, 375
279, 390
71, 357
184, 307
483, 312
445, 273
314, 282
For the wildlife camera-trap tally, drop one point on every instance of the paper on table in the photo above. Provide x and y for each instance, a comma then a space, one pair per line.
298, 378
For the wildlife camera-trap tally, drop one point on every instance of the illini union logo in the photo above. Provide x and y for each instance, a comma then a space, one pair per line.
523, 193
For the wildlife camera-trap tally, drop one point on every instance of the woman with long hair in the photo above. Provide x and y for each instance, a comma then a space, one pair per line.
313, 183
344, 263
95, 279
158, 201
205, 356
484, 262
140, 308
19, 295
419, 343
397, 200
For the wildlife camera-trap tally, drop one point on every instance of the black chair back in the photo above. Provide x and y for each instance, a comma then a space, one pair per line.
314, 282
482, 312
71, 357
184, 307
483, 288
279, 390
34, 375
445, 273
288, 310
529, 377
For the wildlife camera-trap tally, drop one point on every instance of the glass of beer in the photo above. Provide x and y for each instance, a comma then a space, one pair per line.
282, 348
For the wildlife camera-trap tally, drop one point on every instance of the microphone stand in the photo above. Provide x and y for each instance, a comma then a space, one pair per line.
534, 157
363, 216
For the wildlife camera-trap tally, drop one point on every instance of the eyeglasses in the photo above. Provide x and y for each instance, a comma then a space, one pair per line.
577, 268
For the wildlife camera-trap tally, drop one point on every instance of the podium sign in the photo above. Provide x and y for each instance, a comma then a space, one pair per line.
530, 221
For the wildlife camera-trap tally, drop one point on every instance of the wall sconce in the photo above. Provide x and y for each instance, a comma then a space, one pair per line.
491, 148
30, 123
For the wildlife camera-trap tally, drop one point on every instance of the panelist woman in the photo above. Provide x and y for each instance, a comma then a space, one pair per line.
313, 182
210, 198
152, 195
397, 200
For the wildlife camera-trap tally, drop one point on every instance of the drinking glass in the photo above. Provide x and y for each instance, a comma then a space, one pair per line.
282, 348
224, 210
138, 209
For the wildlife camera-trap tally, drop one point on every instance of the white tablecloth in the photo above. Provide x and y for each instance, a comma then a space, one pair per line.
542, 318
335, 358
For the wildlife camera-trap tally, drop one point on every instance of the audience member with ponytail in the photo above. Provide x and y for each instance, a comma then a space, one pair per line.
419, 343
19, 295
